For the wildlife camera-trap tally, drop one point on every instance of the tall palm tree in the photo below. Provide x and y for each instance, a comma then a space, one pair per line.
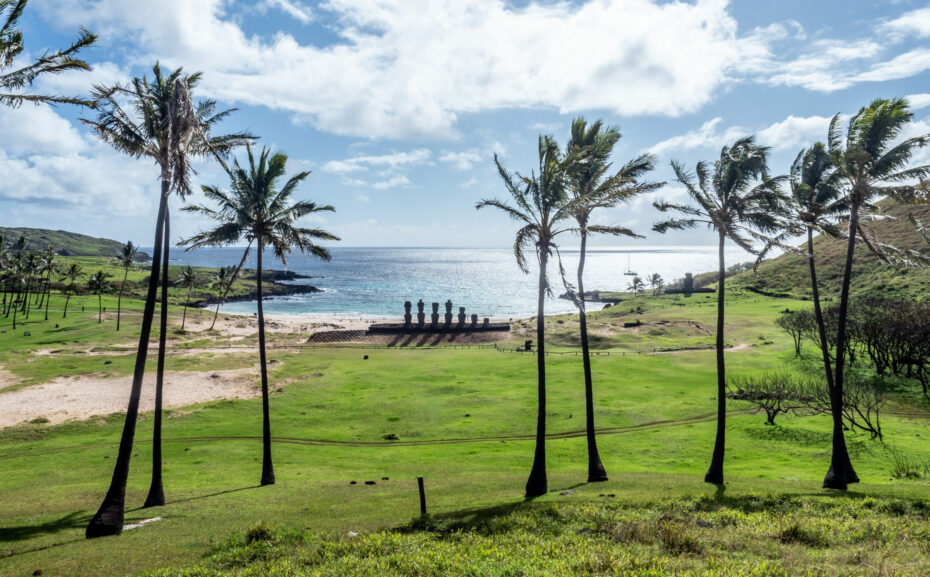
48, 267
229, 279
72, 274
871, 163
815, 205
162, 124
186, 278
12, 82
258, 211
127, 257
98, 283
591, 182
542, 208
4, 257
730, 201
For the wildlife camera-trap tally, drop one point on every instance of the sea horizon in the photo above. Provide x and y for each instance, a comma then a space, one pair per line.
374, 282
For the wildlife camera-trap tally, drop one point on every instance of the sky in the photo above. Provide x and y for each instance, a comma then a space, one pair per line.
397, 107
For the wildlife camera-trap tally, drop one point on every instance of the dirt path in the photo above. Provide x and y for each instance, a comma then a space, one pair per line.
81, 397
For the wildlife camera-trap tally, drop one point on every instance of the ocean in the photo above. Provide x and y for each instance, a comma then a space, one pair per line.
375, 282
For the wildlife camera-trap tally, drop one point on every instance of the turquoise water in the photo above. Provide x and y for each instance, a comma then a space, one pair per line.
375, 282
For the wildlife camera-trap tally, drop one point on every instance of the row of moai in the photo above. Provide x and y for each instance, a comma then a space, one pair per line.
434, 317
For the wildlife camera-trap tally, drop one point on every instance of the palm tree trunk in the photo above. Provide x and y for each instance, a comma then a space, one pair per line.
537, 484
109, 518
99, 307
267, 466
48, 296
119, 299
67, 300
837, 474
596, 471
232, 279
851, 476
156, 496
715, 472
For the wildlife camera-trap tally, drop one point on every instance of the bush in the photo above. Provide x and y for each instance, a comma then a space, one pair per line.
259, 532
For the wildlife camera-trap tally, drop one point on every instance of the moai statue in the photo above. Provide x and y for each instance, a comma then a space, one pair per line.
448, 312
528, 345
474, 321
407, 316
421, 316
434, 318
689, 283
486, 323
461, 316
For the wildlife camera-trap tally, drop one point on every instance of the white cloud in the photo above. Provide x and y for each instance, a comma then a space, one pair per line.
469, 183
914, 23
918, 101
407, 69
463, 160
295, 10
38, 130
792, 132
391, 182
901, 66
390, 161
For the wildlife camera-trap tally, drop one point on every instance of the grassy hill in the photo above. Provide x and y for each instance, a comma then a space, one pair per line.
65, 243
788, 274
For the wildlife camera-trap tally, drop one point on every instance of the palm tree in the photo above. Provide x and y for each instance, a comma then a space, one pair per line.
72, 274
541, 208
589, 181
162, 124
126, 259
730, 202
257, 211
870, 164
98, 283
48, 267
636, 285
656, 282
12, 82
815, 204
187, 278
229, 279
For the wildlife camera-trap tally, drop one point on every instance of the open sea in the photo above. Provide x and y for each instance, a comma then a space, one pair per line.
375, 282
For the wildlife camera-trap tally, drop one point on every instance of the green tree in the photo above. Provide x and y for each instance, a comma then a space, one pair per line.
161, 124
593, 185
729, 200
872, 162
72, 274
656, 282
127, 258
636, 285
48, 267
541, 208
187, 278
98, 283
258, 211
13, 82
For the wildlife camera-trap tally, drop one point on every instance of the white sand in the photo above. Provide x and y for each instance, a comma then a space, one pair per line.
81, 397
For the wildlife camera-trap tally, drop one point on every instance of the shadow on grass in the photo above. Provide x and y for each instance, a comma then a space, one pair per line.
76, 520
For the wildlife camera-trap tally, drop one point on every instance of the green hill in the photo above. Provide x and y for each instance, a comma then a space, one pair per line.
789, 274
65, 243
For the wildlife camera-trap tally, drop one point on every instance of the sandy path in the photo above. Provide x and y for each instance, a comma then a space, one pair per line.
67, 398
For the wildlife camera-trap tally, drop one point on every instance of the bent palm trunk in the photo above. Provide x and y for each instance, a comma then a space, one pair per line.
267, 466
596, 471
837, 474
109, 517
715, 472
232, 279
851, 476
538, 484
156, 496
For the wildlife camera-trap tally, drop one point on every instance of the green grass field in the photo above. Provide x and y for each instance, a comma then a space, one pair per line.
464, 420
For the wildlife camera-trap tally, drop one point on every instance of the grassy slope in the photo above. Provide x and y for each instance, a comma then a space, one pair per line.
65, 243
333, 400
789, 273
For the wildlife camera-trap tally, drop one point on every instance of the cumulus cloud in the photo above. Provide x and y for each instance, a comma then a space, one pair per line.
404, 68
463, 160
38, 130
913, 23
919, 101
792, 132
392, 182
390, 161
709, 135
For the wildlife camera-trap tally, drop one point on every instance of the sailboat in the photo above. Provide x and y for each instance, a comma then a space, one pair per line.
629, 272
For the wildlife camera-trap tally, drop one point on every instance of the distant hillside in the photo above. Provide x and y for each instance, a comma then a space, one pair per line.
789, 274
65, 243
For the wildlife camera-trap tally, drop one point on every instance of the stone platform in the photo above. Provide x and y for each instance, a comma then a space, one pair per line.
401, 328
